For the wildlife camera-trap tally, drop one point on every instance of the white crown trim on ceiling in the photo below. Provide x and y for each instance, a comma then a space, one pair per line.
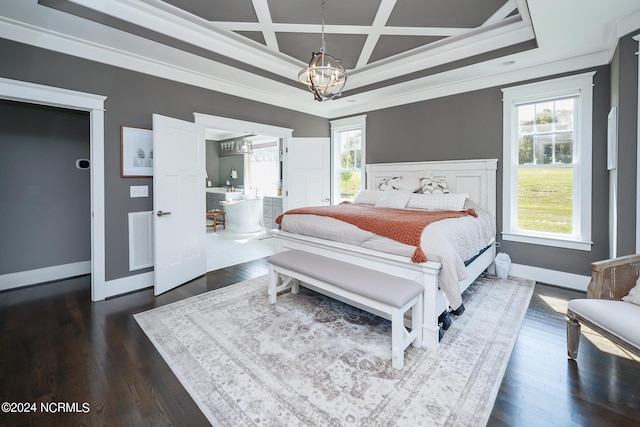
30, 23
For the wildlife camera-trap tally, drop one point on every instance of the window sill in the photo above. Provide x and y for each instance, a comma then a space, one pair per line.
547, 241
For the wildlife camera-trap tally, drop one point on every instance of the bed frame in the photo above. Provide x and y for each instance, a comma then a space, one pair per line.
474, 177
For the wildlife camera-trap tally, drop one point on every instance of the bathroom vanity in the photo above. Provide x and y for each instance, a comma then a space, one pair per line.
272, 208
215, 195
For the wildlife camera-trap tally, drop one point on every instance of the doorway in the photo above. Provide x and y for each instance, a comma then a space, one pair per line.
15, 90
45, 187
225, 247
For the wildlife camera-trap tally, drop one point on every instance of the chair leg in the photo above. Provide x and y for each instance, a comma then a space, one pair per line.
573, 337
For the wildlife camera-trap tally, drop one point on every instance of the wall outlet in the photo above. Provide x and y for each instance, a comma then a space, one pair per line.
139, 191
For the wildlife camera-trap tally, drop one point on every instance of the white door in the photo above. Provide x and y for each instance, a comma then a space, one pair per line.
307, 172
179, 202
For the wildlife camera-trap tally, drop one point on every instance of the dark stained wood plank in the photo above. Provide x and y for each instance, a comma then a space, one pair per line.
542, 386
58, 346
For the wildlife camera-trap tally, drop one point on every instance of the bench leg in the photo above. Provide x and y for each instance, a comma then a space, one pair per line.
573, 337
397, 335
273, 282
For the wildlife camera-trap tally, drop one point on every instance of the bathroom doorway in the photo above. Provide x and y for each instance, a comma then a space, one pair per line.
258, 174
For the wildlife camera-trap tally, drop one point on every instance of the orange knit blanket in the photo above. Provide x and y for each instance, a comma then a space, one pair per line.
402, 225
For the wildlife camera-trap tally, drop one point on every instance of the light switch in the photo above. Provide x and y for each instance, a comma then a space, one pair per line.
139, 191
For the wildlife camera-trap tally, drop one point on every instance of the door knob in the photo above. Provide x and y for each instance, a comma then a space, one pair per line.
160, 213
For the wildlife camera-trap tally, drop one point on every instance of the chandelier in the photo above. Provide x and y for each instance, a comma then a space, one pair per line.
244, 147
324, 76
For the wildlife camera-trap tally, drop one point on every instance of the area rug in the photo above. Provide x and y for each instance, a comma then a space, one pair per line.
312, 361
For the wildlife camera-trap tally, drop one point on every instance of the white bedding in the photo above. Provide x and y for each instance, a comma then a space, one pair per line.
450, 241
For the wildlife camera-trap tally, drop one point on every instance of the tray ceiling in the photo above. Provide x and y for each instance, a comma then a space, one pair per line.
395, 51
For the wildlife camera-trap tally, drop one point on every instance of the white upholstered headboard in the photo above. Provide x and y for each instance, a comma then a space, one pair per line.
474, 177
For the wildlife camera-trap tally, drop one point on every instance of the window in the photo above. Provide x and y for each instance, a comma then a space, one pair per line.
263, 171
547, 162
348, 147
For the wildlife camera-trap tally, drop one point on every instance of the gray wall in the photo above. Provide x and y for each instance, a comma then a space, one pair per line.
212, 162
624, 95
469, 126
456, 127
225, 164
45, 219
132, 99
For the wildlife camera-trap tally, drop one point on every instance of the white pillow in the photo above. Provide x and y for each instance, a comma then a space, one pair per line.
434, 185
393, 199
634, 294
407, 182
437, 201
368, 197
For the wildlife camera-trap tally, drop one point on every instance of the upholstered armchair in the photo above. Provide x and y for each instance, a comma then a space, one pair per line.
603, 310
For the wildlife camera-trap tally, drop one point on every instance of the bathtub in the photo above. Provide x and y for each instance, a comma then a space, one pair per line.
244, 215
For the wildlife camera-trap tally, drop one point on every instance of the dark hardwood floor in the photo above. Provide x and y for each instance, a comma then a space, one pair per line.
58, 346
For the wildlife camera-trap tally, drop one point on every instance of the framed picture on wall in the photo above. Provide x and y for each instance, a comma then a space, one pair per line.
136, 152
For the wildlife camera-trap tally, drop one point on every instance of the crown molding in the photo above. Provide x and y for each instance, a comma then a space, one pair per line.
471, 44
194, 70
458, 81
68, 34
167, 19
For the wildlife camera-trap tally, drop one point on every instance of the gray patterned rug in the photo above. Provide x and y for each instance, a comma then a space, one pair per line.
311, 360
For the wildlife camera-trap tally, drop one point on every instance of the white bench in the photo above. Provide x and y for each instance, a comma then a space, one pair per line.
379, 293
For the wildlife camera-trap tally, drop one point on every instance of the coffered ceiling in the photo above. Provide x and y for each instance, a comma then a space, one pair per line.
395, 51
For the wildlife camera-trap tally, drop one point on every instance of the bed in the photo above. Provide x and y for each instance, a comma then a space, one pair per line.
444, 276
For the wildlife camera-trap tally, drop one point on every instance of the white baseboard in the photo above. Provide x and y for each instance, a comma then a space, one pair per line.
125, 285
59, 272
41, 275
552, 277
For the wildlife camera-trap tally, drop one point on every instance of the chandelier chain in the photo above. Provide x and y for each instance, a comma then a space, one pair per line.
325, 76
323, 46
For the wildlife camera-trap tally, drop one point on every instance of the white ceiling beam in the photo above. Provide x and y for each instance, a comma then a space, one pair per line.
341, 29
434, 54
382, 16
266, 24
501, 13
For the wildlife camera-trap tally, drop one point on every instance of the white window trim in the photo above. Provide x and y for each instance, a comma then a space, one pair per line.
582, 84
637, 38
356, 122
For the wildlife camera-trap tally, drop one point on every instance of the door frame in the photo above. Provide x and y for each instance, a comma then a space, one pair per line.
218, 122
235, 125
16, 90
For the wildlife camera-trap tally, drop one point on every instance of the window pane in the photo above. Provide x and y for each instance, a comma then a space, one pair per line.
564, 114
544, 117
543, 152
545, 200
564, 148
350, 163
264, 170
349, 185
525, 150
526, 114
546, 132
